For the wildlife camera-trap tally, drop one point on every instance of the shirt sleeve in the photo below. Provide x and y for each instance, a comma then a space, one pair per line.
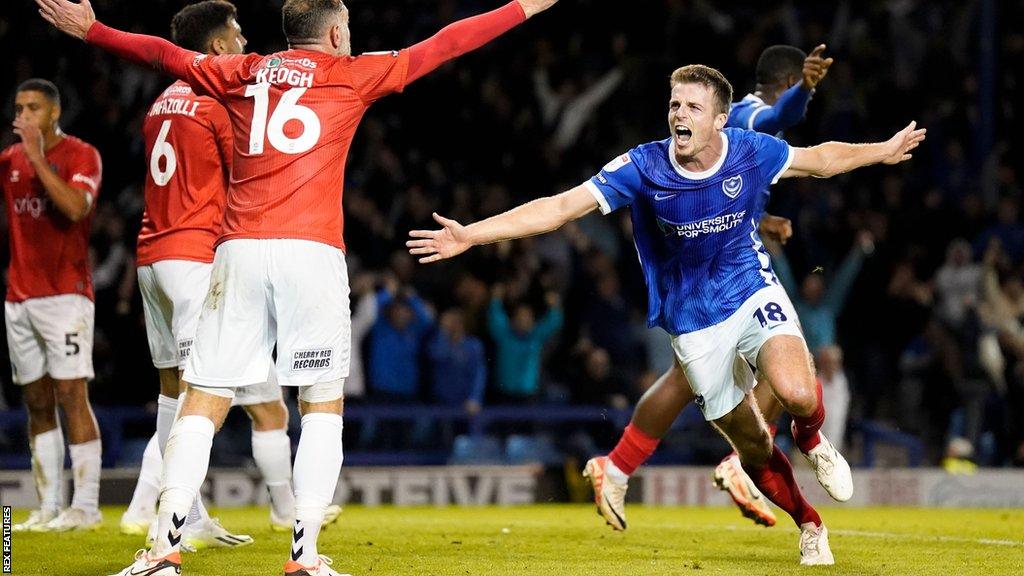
215, 75
220, 126
375, 75
616, 185
773, 156
85, 171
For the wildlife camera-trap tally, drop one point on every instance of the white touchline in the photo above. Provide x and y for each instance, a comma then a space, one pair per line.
894, 536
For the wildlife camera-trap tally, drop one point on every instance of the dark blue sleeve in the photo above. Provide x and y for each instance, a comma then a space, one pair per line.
616, 185
773, 156
423, 318
787, 112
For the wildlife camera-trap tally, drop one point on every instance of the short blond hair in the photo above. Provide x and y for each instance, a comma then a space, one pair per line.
708, 77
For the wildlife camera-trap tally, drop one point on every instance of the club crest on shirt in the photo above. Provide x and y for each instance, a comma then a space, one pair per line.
732, 186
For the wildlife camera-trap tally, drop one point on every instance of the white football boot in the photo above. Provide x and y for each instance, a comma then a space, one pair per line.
321, 568
610, 496
137, 522
145, 565
74, 519
210, 534
279, 524
832, 470
730, 477
37, 520
814, 549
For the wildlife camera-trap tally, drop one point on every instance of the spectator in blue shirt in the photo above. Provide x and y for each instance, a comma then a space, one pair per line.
818, 304
457, 364
395, 343
519, 343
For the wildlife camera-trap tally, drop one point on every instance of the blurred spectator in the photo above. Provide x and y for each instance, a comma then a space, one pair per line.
818, 304
364, 317
395, 342
956, 285
835, 393
457, 365
519, 344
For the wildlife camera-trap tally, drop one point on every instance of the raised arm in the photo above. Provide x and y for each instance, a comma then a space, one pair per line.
787, 111
530, 219
78, 20
469, 34
832, 158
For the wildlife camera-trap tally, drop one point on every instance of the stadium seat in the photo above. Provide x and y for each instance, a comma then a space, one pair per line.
476, 450
520, 449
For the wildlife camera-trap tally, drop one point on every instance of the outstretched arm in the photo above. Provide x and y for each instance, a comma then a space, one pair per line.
78, 20
469, 34
530, 219
832, 158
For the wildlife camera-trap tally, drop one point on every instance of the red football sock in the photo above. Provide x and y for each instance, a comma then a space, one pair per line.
805, 429
777, 483
633, 449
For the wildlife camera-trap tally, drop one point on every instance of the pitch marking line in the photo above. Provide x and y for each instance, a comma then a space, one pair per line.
902, 536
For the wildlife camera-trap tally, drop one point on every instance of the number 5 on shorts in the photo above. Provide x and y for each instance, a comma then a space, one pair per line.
73, 347
769, 312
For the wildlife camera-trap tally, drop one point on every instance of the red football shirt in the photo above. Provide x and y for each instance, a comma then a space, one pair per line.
188, 161
49, 253
293, 114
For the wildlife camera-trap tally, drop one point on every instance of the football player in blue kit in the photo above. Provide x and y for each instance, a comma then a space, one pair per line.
695, 201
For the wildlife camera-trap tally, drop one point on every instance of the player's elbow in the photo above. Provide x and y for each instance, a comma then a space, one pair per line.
78, 212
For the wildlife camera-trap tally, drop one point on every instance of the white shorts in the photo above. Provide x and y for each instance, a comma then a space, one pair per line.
267, 391
172, 297
51, 335
719, 360
292, 293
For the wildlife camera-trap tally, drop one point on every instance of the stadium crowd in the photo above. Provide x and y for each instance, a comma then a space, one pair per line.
909, 282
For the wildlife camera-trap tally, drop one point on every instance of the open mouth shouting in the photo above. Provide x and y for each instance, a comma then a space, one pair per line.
682, 135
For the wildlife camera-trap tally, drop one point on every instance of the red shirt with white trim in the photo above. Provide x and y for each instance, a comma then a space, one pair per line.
188, 163
49, 252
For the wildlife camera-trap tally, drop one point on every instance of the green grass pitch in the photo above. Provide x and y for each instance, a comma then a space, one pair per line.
563, 540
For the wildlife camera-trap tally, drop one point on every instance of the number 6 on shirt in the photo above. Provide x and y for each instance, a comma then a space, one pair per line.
287, 109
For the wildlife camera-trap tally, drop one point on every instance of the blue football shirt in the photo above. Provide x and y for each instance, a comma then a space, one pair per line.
696, 232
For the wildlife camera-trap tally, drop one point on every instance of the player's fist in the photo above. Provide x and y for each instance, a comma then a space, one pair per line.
31, 139
434, 245
898, 148
71, 18
532, 7
775, 228
816, 67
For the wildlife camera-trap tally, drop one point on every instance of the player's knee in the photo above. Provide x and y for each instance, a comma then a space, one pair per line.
802, 400
71, 393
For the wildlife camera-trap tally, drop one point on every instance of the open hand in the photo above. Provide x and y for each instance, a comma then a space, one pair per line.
71, 18
899, 146
532, 7
31, 139
434, 245
816, 67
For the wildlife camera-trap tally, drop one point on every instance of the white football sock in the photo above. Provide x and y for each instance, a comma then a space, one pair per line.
198, 513
615, 474
86, 460
147, 489
272, 451
166, 410
48, 466
185, 463
317, 466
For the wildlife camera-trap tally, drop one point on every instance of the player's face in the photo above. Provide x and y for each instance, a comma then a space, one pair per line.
693, 118
230, 39
36, 109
